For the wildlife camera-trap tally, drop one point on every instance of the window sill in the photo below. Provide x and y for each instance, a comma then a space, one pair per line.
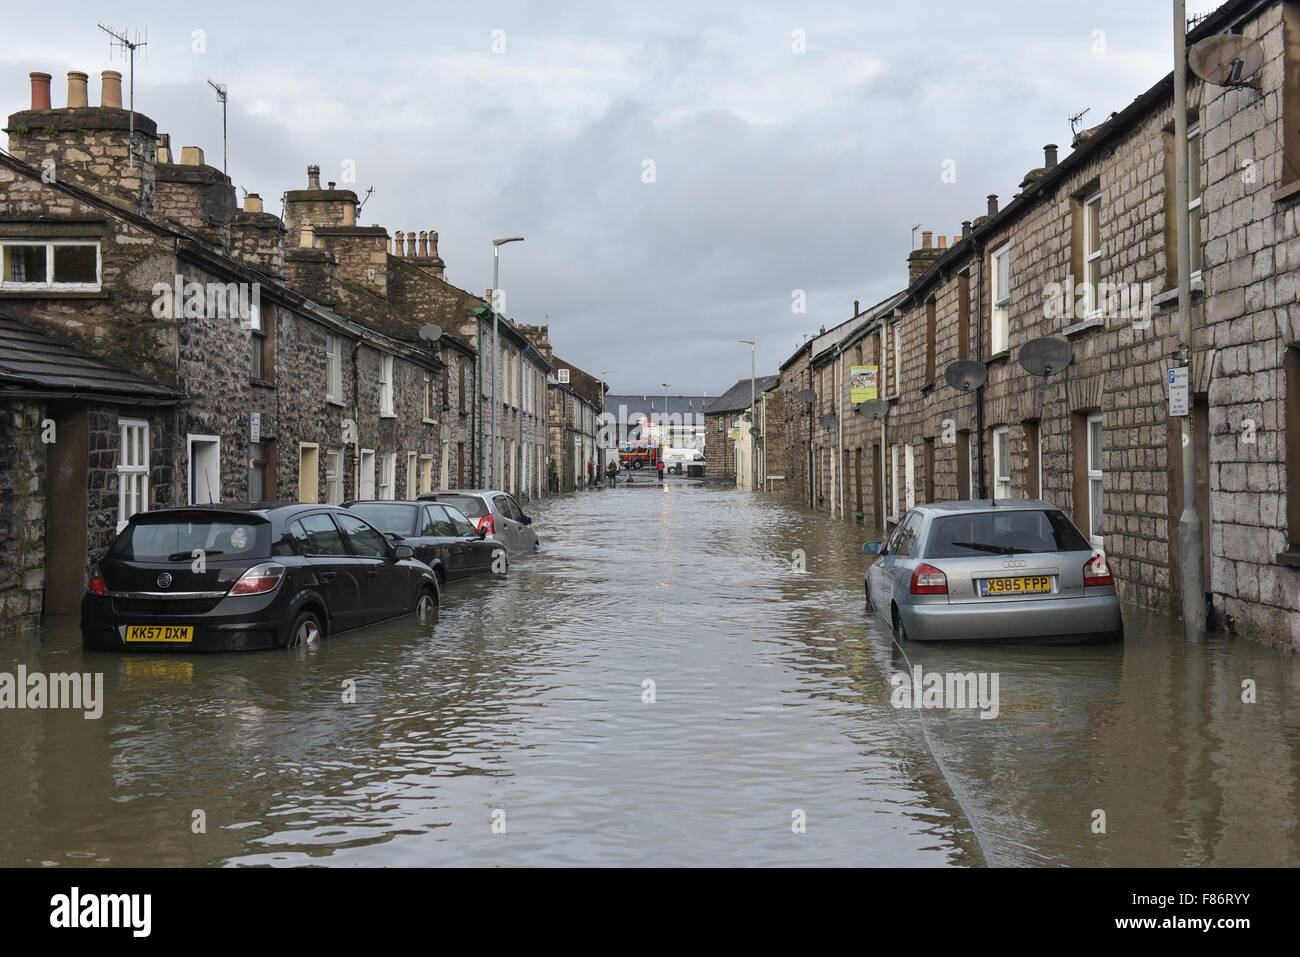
428, 421
263, 383
388, 415
1289, 191
1095, 322
47, 293
336, 402
1170, 296
999, 356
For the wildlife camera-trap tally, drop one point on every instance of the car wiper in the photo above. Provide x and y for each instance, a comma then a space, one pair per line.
185, 556
996, 549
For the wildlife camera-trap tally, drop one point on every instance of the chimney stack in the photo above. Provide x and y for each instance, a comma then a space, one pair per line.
164, 147
993, 204
965, 228
191, 156
313, 177
110, 89
1049, 155
77, 90
349, 214
252, 203
919, 260
40, 91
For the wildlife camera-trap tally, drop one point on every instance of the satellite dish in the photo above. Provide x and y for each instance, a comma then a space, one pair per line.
808, 396
1226, 60
875, 410
1045, 356
966, 374
829, 421
430, 332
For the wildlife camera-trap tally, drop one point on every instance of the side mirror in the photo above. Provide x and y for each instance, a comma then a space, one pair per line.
482, 532
405, 551
873, 548
528, 520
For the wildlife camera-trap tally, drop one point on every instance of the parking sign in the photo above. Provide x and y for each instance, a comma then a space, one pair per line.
1178, 393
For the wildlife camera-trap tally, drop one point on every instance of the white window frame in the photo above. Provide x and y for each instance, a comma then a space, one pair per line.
1000, 299
366, 482
132, 473
334, 368
334, 460
386, 485
412, 468
1194, 203
1001, 443
1095, 478
386, 386
49, 283
1091, 256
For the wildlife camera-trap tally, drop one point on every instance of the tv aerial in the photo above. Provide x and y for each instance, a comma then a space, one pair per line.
966, 374
223, 94
1045, 356
875, 409
1227, 60
119, 39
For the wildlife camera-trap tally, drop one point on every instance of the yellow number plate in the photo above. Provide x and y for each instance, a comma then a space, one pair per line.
174, 634
1015, 586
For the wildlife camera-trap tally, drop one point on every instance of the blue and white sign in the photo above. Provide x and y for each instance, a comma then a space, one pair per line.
1179, 397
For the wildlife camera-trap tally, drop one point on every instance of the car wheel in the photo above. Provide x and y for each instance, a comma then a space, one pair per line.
900, 633
426, 605
441, 575
306, 630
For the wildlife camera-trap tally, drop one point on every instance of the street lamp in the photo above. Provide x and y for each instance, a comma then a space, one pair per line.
496, 407
665, 437
753, 419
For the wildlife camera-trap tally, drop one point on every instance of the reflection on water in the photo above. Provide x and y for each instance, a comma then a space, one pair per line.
523, 704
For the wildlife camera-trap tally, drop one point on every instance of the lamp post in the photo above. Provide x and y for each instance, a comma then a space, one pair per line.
496, 406
753, 418
665, 436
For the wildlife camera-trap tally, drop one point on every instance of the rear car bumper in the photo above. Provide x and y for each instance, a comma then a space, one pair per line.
1091, 618
234, 624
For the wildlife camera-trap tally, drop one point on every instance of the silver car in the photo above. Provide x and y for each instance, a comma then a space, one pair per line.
495, 512
1004, 570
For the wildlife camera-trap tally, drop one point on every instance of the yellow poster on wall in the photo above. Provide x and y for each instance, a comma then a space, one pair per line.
863, 383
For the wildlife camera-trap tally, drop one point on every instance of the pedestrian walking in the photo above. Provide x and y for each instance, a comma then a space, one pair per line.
660, 466
591, 471
612, 473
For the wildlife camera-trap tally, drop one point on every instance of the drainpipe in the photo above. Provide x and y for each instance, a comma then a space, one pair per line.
979, 353
356, 420
839, 391
519, 457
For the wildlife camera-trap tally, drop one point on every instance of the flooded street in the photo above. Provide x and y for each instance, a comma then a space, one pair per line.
526, 704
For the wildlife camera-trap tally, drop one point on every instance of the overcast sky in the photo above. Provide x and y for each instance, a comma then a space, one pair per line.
774, 170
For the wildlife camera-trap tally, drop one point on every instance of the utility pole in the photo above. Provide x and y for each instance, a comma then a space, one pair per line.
1190, 532
753, 420
223, 94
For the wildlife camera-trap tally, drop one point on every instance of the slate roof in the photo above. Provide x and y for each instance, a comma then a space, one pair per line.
34, 364
736, 399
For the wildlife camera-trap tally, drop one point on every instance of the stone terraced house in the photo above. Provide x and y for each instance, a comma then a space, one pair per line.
1084, 252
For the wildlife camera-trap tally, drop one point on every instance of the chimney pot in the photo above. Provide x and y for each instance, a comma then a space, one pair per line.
410, 244
856, 310
399, 241
40, 91
925, 239
331, 184
110, 89
943, 242
433, 243
965, 228
77, 89
252, 203
993, 204
424, 243
1049, 155
191, 156
313, 177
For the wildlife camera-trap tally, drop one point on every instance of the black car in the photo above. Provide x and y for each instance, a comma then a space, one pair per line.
443, 538
241, 577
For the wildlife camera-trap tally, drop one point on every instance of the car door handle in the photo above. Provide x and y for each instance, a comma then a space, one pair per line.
327, 576
372, 573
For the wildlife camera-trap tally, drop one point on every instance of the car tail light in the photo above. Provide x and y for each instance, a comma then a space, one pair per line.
97, 585
487, 524
928, 580
1097, 571
259, 579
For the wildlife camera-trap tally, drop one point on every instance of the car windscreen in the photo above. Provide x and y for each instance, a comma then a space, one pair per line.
463, 525
389, 519
176, 536
1008, 532
471, 505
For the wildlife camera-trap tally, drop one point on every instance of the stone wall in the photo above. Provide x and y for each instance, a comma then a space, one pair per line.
22, 515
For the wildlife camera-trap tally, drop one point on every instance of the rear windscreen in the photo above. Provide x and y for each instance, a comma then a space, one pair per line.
176, 539
471, 505
1003, 533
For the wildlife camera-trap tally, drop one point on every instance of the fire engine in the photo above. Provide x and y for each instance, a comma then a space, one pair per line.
638, 456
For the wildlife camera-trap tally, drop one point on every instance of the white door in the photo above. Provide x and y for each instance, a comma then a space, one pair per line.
205, 469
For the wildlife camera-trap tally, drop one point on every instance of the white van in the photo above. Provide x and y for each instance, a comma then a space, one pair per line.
682, 457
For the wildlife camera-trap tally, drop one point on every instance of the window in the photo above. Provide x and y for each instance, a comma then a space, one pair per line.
896, 333
386, 385
412, 461
1001, 462
132, 469
334, 476
1094, 480
1000, 287
317, 535
893, 480
428, 396
59, 265
905, 541
334, 368
1194, 196
367, 490
1005, 531
1092, 254
387, 478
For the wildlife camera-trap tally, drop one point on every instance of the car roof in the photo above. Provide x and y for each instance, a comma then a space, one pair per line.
262, 507
985, 505
467, 491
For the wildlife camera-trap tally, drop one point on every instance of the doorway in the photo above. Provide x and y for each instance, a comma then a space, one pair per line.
205, 468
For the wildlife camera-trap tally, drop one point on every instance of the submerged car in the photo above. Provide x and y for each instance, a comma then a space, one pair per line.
243, 577
497, 514
443, 538
992, 570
